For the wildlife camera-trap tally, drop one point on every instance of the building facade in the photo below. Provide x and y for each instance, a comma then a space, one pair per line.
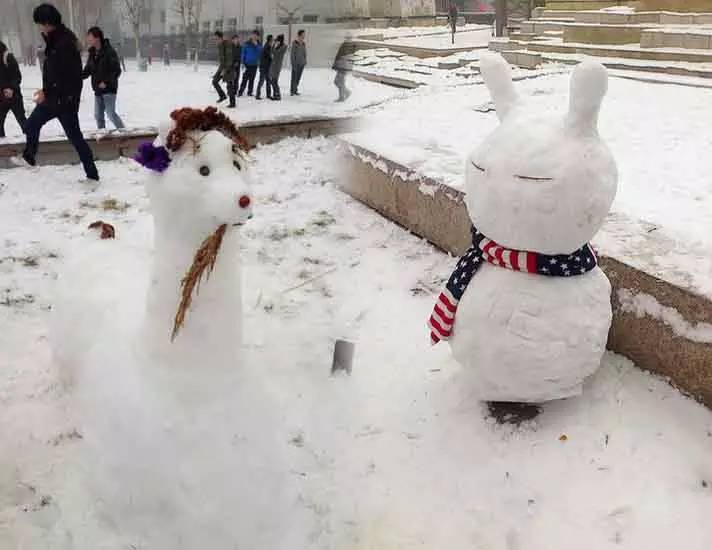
231, 15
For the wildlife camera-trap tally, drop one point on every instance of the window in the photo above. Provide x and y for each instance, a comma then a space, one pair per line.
310, 18
163, 17
219, 25
174, 29
206, 25
259, 20
232, 23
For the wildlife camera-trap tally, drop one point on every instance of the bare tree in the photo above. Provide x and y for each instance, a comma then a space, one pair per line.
291, 17
197, 14
133, 11
190, 12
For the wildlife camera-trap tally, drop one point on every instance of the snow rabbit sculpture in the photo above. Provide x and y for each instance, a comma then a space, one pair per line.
532, 323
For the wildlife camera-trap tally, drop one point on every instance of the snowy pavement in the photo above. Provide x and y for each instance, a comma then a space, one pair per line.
397, 456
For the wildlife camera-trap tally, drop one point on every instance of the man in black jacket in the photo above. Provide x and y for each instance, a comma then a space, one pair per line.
10, 96
265, 62
104, 68
236, 57
61, 90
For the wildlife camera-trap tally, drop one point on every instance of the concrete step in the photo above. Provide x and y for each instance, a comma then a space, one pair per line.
697, 70
684, 37
523, 58
616, 51
534, 26
640, 17
596, 33
414, 51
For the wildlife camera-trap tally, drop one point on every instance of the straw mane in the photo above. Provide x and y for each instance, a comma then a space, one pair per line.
204, 260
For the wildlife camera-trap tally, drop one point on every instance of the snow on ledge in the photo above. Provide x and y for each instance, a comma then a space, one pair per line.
642, 304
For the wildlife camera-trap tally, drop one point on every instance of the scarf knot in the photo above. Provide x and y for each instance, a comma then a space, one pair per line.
483, 250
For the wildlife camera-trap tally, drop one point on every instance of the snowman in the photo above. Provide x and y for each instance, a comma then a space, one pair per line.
177, 424
527, 310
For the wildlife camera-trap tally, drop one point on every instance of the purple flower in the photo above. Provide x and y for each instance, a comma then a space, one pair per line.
152, 157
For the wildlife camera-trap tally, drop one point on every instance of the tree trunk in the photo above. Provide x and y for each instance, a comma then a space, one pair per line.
188, 43
500, 17
137, 39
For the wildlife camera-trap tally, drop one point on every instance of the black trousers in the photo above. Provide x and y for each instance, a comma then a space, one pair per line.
216, 84
264, 79
248, 79
230, 87
296, 78
69, 119
276, 92
18, 109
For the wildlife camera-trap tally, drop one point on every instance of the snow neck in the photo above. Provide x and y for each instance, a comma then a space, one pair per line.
211, 333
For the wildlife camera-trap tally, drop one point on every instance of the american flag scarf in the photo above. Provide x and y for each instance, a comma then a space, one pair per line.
484, 249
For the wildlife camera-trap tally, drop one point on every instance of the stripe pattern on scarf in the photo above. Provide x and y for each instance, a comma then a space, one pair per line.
483, 250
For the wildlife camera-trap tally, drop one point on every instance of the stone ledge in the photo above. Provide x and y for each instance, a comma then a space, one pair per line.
437, 213
58, 150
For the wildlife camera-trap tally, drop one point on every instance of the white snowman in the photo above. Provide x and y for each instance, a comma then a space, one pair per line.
532, 320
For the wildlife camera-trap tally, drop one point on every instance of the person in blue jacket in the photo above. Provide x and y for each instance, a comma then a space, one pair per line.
250, 57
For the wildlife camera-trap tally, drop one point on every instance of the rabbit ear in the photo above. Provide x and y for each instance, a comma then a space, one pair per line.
497, 75
589, 84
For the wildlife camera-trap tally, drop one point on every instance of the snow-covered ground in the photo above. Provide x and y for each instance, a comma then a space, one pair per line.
144, 97
397, 456
475, 36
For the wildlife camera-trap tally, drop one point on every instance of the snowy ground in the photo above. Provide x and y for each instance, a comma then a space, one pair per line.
145, 97
397, 456
476, 36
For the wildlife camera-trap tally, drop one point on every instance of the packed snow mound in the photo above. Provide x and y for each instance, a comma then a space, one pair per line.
168, 423
544, 186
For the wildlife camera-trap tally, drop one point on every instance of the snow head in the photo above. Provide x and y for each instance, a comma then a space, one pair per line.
199, 198
205, 184
538, 183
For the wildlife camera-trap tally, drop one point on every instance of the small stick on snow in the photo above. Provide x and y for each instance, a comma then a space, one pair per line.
311, 280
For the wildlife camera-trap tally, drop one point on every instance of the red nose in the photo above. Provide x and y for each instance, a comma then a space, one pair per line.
244, 201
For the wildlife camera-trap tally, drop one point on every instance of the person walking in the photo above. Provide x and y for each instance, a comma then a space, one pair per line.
166, 55
452, 15
225, 70
104, 68
236, 55
299, 61
250, 57
61, 90
278, 52
265, 62
343, 65
120, 53
10, 96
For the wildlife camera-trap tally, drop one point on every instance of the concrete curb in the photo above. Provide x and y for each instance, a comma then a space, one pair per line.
438, 213
124, 144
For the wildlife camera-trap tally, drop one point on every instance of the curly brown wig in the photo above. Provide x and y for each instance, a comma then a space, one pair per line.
188, 119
